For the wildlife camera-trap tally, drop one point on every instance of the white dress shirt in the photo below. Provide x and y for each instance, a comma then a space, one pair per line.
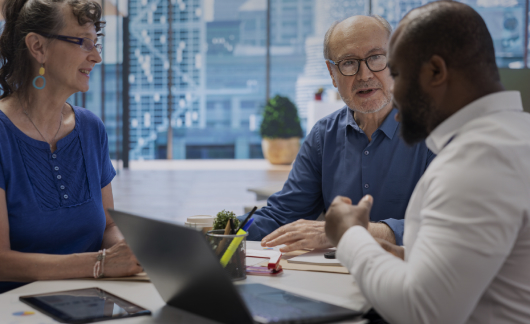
467, 232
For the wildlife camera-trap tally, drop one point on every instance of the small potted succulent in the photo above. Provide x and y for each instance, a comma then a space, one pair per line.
280, 131
223, 218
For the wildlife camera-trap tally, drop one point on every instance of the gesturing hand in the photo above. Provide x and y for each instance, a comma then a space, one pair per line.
120, 261
342, 215
302, 234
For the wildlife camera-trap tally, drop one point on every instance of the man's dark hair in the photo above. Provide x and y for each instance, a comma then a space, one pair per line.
455, 32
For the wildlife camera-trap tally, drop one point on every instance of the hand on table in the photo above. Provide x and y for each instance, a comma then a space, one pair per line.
342, 215
120, 261
302, 234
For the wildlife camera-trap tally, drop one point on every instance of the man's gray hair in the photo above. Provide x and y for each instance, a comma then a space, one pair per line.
327, 53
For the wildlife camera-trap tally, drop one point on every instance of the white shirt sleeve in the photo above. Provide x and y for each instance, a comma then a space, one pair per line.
469, 220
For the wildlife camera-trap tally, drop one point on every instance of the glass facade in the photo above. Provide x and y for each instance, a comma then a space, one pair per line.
219, 67
505, 20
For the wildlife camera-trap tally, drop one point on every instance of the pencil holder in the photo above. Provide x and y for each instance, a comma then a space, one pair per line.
231, 252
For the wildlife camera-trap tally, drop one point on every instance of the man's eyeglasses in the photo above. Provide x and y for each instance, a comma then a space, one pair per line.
85, 43
349, 66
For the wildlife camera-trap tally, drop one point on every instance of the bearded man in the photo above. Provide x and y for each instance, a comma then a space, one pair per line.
465, 257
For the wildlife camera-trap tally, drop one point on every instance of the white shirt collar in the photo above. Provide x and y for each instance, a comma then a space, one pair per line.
495, 102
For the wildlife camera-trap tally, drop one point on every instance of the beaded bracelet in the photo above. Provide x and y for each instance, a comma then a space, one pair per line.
100, 264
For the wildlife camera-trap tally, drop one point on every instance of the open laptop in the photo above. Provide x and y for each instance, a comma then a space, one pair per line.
186, 273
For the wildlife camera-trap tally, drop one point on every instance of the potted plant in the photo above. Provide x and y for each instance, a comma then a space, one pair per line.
280, 131
222, 218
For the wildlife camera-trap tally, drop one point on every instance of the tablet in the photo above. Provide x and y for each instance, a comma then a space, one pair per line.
83, 306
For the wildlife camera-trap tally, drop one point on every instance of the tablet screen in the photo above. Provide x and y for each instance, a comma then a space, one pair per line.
83, 305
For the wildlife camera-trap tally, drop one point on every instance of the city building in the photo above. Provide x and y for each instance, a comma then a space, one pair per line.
218, 67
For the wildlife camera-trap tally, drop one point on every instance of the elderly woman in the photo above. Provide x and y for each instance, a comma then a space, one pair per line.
55, 170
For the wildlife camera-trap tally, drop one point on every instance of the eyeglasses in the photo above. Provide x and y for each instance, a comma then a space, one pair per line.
85, 43
350, 67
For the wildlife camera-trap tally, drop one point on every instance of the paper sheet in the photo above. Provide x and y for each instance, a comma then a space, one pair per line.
263, 253
315, 257
274, 257
306, 267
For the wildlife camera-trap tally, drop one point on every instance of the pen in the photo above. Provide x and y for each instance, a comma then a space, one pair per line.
246, 219
247, 225
232, 226
228, 230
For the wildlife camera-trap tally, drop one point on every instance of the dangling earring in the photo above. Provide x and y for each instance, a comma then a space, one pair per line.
40, 76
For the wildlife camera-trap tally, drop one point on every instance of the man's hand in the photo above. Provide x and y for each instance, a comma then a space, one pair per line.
342, 215
302, 234
396, 250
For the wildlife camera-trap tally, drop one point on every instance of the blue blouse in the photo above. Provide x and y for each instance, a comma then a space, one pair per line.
54, 201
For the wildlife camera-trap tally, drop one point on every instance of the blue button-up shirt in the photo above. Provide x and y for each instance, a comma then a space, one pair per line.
338, 159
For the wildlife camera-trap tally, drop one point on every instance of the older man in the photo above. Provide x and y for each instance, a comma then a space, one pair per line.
467, 233
352, 152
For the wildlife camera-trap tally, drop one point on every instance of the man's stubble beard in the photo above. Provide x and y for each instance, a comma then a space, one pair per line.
419, 115
362, 110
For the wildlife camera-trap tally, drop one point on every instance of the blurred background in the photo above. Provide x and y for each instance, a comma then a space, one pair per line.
188, 79
213, 69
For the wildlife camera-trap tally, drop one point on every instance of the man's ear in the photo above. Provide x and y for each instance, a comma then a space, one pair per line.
434, 72
36, 45
331, 73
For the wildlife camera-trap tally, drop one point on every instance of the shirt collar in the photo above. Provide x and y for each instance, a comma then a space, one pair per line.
388, 127
492, 103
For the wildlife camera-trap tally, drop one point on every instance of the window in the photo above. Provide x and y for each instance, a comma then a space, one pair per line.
215, 99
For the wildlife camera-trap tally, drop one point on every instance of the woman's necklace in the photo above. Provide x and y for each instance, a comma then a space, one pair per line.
44, 138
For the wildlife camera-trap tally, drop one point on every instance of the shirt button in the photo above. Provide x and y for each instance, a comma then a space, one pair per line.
59, 177
62, 187
366, 152
366, 185
65, 196
54, 156
56, 168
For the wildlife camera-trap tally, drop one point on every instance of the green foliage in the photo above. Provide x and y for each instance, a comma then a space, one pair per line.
222, 219
280, 119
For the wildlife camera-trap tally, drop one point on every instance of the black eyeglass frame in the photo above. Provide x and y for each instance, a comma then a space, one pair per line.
75, 40
359, 67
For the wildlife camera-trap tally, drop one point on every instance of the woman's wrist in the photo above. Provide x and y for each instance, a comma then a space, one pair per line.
82, 262
88, 267
99, 266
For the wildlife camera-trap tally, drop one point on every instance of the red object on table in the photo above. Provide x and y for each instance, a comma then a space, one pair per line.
262, 271
273, 256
